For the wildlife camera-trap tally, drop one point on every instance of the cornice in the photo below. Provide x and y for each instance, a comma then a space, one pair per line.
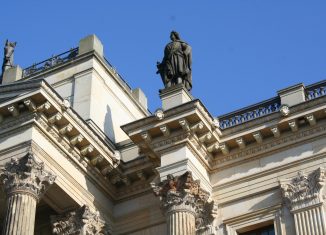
72, 155
57, 110
78, 120
222, 162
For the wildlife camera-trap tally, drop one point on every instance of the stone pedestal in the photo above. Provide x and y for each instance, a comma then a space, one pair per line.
292, 95
12, 74
91, 43
303, 196
25, 181
186, 206
174, 96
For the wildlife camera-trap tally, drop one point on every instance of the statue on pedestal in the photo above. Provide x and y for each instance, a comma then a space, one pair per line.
8, 57
175, 67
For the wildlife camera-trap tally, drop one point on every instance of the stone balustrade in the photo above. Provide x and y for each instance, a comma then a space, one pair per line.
250, 113
315, 91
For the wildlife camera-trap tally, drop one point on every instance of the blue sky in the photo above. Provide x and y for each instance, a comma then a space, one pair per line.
243, 50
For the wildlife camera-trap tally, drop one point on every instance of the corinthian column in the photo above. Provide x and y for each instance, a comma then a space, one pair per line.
25, 181
81, 221
303, 196
185, 205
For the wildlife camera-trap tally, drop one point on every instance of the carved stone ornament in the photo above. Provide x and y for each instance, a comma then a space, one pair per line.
81, 221
285, 110
304, 190
184, 193
26, 175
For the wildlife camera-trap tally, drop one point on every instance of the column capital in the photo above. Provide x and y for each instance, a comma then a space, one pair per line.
183, 193
80, 221
304, 190
26, 175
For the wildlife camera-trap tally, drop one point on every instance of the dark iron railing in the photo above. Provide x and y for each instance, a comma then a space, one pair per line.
117, 74
249, 113
51, 62
62, 58
316, 90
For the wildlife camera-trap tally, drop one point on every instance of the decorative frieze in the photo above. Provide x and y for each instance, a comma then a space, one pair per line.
81, 221
185, 203
271, 145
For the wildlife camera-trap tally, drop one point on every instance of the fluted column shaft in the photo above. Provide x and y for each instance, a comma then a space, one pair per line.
185, 204
25, 181
310, 221
20, 214
303, 195
181, 223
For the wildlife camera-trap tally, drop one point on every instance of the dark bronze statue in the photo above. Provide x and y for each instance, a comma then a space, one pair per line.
175, 67
8, 58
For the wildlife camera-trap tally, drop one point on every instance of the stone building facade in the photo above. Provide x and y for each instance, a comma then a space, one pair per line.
81, 154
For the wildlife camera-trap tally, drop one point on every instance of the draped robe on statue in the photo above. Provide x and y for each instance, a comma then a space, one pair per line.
177, 64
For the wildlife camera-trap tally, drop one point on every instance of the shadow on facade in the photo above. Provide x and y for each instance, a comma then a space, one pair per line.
108, 124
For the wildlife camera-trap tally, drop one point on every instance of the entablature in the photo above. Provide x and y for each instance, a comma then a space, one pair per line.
186, 125
62, 124
190, 124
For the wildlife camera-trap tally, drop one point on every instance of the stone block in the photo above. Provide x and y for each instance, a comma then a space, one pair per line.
140, 96
90, 43
12, 74
292, 95
174, 96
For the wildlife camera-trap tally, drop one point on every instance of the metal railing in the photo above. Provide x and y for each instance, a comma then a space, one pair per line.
113, 69
51, 62
250, 113
316, 90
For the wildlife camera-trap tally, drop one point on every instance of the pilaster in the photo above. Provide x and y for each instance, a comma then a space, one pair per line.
303, 196
25, 181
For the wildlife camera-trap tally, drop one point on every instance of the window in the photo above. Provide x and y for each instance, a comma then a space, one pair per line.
262, 231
